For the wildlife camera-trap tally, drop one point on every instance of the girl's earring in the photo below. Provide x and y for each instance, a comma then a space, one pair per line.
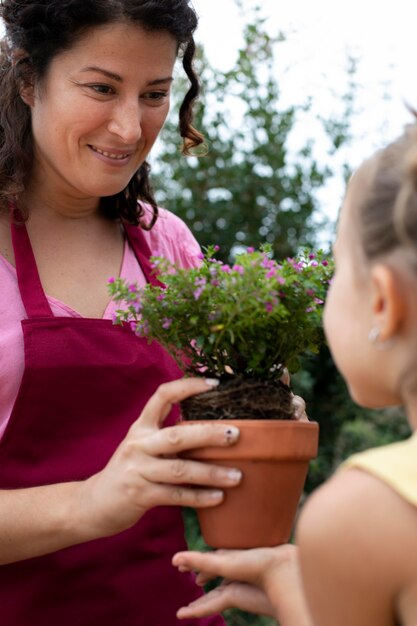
374, 338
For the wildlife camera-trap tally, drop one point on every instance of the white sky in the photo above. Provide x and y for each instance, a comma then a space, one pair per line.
312, 62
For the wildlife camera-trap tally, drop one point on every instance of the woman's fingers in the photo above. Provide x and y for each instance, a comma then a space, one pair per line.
175, 439
298, 403
299, 407
178, 495
159, 405
285, 377
180, 471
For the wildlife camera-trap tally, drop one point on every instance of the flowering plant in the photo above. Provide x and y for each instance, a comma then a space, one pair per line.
250, 319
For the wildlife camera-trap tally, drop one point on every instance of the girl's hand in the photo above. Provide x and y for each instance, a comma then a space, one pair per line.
145, 470
262, 580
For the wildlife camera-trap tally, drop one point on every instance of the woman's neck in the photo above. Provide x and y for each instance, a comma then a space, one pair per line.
43, 196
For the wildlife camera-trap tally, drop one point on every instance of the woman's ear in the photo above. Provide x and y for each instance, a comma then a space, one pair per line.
27, 94
26, 86
388, 301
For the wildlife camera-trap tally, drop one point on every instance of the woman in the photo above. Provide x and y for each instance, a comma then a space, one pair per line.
87, 526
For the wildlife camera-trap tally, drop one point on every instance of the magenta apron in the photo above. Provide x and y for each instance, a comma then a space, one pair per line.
85, 382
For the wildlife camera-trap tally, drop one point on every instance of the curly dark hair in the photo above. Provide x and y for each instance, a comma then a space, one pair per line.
38, 30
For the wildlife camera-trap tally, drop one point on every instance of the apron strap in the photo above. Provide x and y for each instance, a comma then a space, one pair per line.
143, 253
30, 286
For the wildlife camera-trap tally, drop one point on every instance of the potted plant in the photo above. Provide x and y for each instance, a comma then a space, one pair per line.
246, 324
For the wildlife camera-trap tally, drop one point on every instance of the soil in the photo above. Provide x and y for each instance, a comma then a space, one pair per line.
239, 398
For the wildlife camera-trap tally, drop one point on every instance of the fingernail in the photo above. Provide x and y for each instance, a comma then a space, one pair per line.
232, 434
234, 475
211, 382
216, 494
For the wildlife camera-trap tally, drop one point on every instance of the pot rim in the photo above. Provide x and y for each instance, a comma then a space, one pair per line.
263, 440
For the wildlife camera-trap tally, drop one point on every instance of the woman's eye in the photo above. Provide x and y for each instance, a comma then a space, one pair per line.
156, 95
103, 90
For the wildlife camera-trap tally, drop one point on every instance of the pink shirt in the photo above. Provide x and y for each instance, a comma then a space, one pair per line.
170, 238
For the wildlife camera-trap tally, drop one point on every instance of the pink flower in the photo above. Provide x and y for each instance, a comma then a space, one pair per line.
239, 269
142, 328
161, 297
250, 250
167, 321
226, 269
197, 293
267, 263
269, 306
111, 280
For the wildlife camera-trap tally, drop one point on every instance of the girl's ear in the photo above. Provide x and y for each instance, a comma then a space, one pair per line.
388, 301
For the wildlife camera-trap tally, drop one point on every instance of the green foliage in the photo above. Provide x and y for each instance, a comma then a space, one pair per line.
247, 189
386, 426
251, 319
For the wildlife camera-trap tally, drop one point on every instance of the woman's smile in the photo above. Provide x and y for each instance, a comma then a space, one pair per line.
112, 156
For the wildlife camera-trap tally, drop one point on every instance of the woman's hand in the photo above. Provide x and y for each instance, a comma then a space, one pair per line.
261, 580
145, 470
298, 403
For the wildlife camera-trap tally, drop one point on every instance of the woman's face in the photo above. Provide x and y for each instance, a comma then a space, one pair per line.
348, 315
99, 110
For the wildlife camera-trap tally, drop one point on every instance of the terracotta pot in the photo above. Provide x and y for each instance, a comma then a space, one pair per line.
273, 456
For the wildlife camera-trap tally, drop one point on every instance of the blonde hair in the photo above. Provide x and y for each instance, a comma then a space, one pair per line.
388, 213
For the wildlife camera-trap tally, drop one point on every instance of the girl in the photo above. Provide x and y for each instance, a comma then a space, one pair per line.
355, 563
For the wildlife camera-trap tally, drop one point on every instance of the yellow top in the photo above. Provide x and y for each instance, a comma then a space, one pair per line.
395, 464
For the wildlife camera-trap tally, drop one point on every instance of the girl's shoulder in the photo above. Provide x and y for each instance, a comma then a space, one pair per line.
358, 546
394, 464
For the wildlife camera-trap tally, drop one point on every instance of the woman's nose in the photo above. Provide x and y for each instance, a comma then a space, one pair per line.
126, 122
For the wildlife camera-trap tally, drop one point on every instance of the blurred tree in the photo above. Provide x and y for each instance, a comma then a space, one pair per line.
247, 189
